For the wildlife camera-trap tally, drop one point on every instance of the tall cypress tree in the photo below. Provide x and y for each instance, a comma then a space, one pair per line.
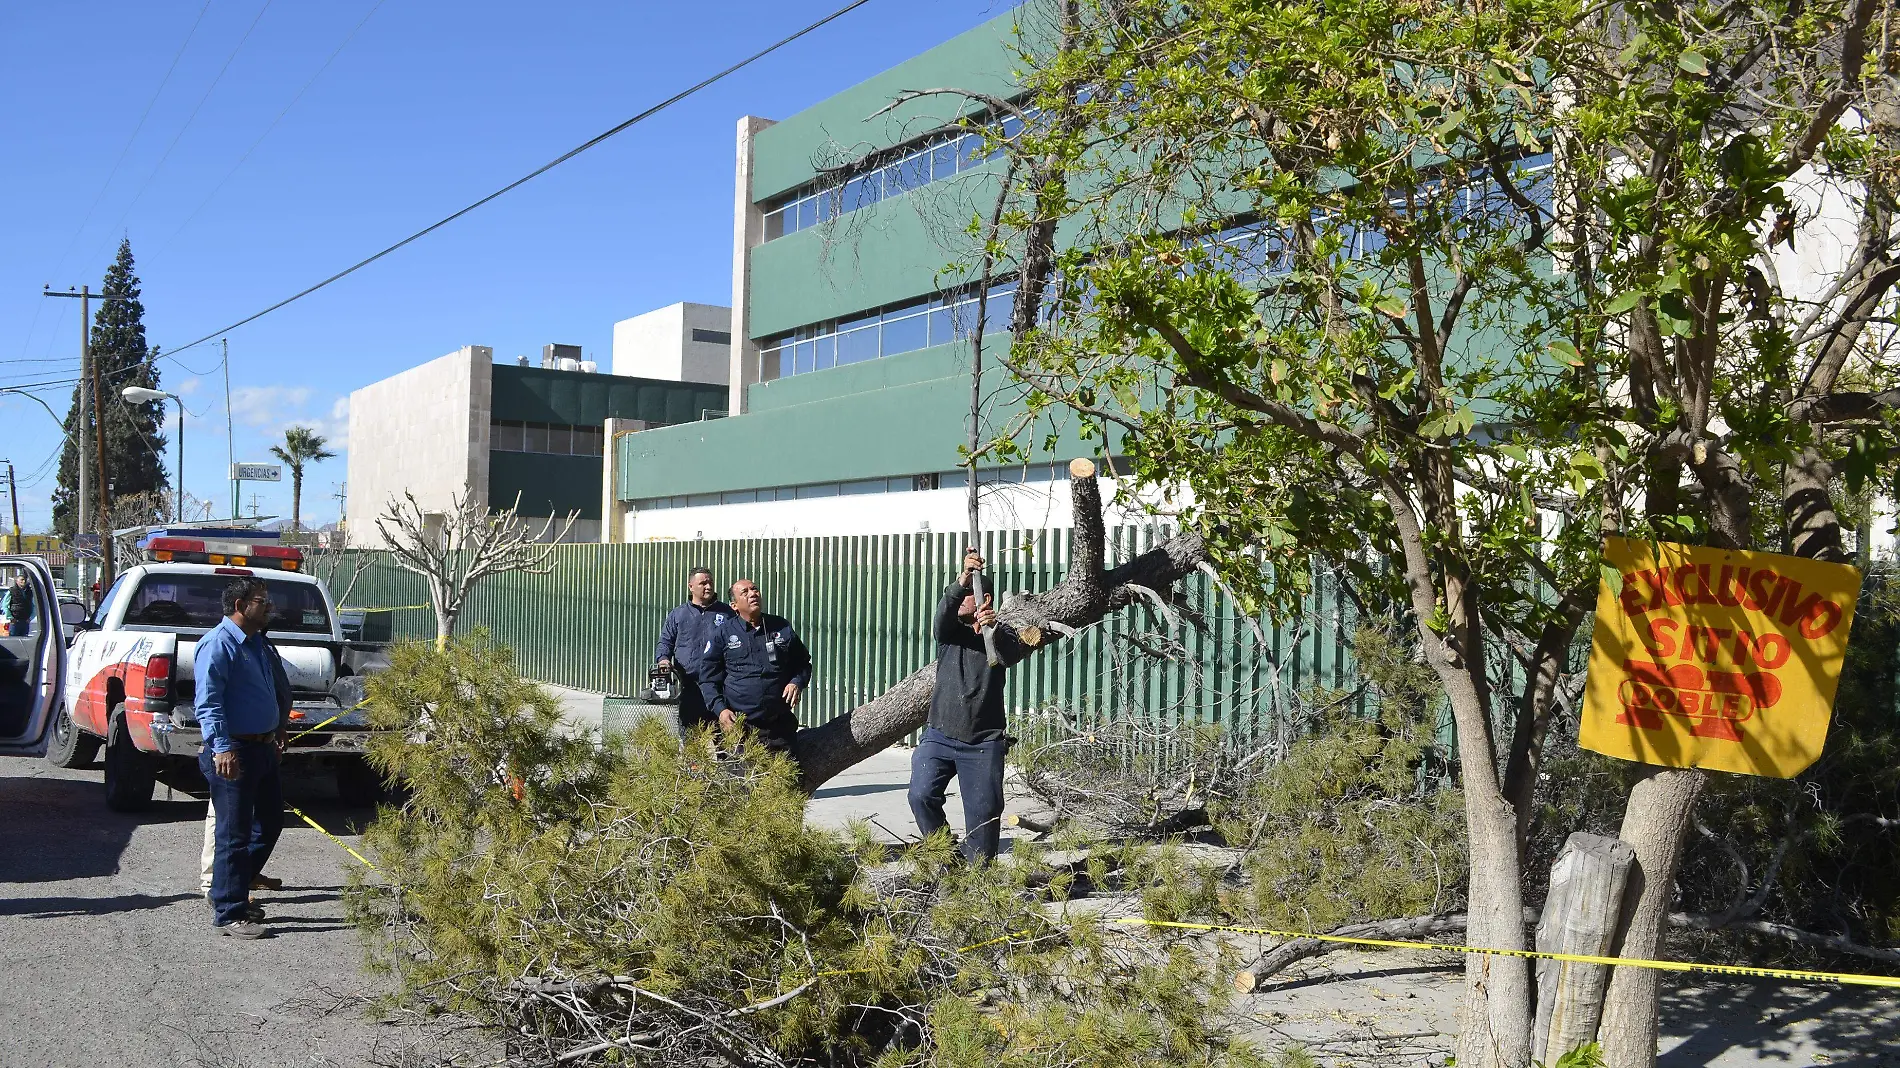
135, 441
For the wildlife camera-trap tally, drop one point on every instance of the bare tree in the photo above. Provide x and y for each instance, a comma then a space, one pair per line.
455, 550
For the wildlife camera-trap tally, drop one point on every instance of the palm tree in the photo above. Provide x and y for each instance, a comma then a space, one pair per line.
301, 445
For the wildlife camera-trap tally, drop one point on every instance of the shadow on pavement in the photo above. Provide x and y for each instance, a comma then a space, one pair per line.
58, 829
50, 908
859, 791
1857, 1026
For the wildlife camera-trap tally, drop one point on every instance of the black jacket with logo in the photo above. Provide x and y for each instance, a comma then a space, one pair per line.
745, 668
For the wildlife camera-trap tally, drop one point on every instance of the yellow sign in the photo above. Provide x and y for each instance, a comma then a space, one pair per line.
1709, 658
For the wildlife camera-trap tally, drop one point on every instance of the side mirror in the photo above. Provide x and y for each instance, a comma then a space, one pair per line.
72, 613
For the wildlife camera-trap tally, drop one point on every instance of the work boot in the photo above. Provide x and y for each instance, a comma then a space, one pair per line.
254, 912
245, 929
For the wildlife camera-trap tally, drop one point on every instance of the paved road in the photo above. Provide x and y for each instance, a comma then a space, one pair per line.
107, 954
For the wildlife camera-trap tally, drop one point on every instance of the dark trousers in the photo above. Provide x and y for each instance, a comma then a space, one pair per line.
772, 725
978, 767
250, 816
20, 626
693, 711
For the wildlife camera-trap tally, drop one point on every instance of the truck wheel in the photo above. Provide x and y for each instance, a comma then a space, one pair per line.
72, 747
358, 784
130, 774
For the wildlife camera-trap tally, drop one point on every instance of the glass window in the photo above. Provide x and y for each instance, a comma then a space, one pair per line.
775, 224
970, 152
827, 489
900, 484
1001, 306
957, 479
182, 600
1011, 126
740, 496
861, 192
905, 334
560, 440
700, 500
863, 486
782, 493
941, 329
943, 161
506, 436
827, 353
807, 213
537, 438
712, 337
802, 360
827, 205
856, 346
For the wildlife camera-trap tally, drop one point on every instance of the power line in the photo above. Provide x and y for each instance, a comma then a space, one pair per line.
531, 175
189, 119
351, 36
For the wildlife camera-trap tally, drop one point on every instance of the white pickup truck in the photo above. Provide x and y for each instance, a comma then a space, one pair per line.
129, 684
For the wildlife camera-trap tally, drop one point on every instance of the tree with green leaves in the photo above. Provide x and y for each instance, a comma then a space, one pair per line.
1441, 294
135, 443
302, 445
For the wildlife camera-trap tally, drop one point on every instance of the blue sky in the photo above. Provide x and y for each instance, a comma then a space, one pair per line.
431, 104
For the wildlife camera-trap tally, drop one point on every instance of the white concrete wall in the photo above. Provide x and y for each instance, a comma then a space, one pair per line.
425, 432
659, 344
1037, 505
748, 231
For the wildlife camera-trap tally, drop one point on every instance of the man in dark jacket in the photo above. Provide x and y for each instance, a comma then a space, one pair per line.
20, 607
683, 637
753, 669
965, 735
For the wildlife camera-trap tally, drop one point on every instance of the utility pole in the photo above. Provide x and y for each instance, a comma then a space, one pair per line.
230, 436
13, 494
89, 389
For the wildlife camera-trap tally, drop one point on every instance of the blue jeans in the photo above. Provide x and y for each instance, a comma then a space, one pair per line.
978, 767
250, 816
21, 627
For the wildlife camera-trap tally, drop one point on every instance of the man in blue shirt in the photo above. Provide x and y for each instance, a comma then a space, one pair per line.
241, 692
753, 669
683, 637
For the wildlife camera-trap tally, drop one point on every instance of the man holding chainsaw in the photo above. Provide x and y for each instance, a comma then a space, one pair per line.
683, 639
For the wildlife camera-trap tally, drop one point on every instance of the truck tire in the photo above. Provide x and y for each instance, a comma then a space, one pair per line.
130, 774
71, 747
359, 784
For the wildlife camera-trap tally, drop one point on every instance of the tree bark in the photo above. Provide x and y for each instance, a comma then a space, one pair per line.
1085, 595
1654, 823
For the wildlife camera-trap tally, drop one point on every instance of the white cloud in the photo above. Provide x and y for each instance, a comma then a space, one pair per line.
268, 405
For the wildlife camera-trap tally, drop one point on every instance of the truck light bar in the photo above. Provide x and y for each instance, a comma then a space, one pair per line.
222, 553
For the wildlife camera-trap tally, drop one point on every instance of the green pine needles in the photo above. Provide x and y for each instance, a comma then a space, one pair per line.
651, 901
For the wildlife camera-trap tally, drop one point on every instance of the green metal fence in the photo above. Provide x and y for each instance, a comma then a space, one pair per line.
864, 604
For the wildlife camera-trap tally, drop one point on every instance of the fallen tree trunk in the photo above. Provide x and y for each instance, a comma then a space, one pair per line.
1279, 957
1088, 593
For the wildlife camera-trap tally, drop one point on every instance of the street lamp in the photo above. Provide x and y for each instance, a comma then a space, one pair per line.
141, 395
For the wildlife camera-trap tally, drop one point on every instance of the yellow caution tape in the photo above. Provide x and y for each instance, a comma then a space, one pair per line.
1799, 975
320, 726
320, 830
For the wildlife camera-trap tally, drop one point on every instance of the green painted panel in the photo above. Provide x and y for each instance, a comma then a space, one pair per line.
543, 395
836, 436
979, 60
893, 251
548, 485
903, 369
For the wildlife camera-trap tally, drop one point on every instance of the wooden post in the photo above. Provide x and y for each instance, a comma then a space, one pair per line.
1580, 914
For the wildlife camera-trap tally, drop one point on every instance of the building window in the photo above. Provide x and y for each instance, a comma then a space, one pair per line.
937, 320
712, 337
506, 435
942, 155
